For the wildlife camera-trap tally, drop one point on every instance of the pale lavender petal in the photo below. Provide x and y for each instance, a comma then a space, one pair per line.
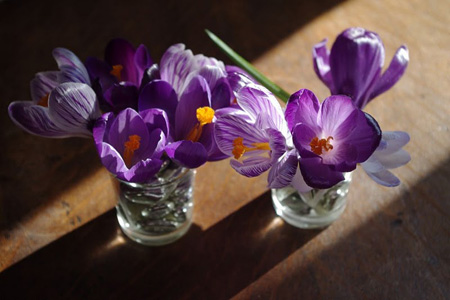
255, 99
302, 107
142, 171
318, 175
394, 160
392, 141
186, 153
121, 52
333, 112
128, 123
283, 170
252, 166
159, 94
393, 73
72, 68
299, 183
238, 78
73, 107
196, 95
229, 127
43, 84
203, 61
379, 174
321, 61
34, 119
176, 65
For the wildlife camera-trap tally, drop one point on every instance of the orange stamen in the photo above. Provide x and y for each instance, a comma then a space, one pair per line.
204, 116
239, 149
44, 100
131, 145
116, 71
317, 146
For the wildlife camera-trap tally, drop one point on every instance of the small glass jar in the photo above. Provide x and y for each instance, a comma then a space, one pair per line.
314, 209
158, 212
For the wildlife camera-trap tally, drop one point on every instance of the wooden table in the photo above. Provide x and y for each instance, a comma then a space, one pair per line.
59, 237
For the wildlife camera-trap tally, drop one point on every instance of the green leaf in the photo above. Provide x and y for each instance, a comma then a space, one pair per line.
244, 64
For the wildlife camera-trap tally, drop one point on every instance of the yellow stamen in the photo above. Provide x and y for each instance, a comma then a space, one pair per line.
317, 146
116, 72
205, 116
131, 145
239, 149
44, 100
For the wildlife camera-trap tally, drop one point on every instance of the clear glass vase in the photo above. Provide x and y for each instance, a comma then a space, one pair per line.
158, 212
314, 209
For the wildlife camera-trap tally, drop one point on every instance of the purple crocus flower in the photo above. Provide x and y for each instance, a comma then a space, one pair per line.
353, 67
191, 89
63, 104
331, 137
388, 155
257, 137
117, 80
130, 144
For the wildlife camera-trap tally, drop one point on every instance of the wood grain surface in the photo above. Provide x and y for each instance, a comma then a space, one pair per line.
59, 237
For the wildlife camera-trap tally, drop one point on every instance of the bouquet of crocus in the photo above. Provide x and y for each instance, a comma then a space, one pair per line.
190, 109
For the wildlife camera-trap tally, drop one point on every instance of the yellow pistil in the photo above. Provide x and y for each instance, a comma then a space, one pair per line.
239, 149
116, 72
317, 146
44, 100
131, 145
204, 116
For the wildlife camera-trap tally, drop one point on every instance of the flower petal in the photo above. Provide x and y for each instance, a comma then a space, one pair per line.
302, 107
252, 166
334, 111
42, 84
176, 65
73, 107
121, 52
208, 141
394, 160
318, 175
142, 171
155, 118
237, 78
128, 123
283, 170
122, 95
299, 183
379, 174
111, 159
356, 59
159, 94
99, 71
187, 154
142, 59
392, 141
101, 128
34, 119
72, 69
302, 137
321, 61
221, 94
393, 73
196, 95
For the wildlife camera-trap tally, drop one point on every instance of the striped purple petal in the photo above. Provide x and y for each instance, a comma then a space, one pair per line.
73, 107
283, 170
321, 61
252, 166
72, 69
42, 84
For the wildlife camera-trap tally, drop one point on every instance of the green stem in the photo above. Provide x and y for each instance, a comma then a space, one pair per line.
244, 64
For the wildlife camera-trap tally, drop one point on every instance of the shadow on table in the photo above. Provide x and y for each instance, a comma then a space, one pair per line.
96, 261
402, 252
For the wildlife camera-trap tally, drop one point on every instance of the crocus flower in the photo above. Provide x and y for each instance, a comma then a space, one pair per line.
130, 144
117, 80
258, 137
63, 104
331, 137
353, 67
388, 155
191, 89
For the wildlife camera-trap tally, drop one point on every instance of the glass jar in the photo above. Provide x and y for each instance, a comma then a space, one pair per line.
160, 211
314, 209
